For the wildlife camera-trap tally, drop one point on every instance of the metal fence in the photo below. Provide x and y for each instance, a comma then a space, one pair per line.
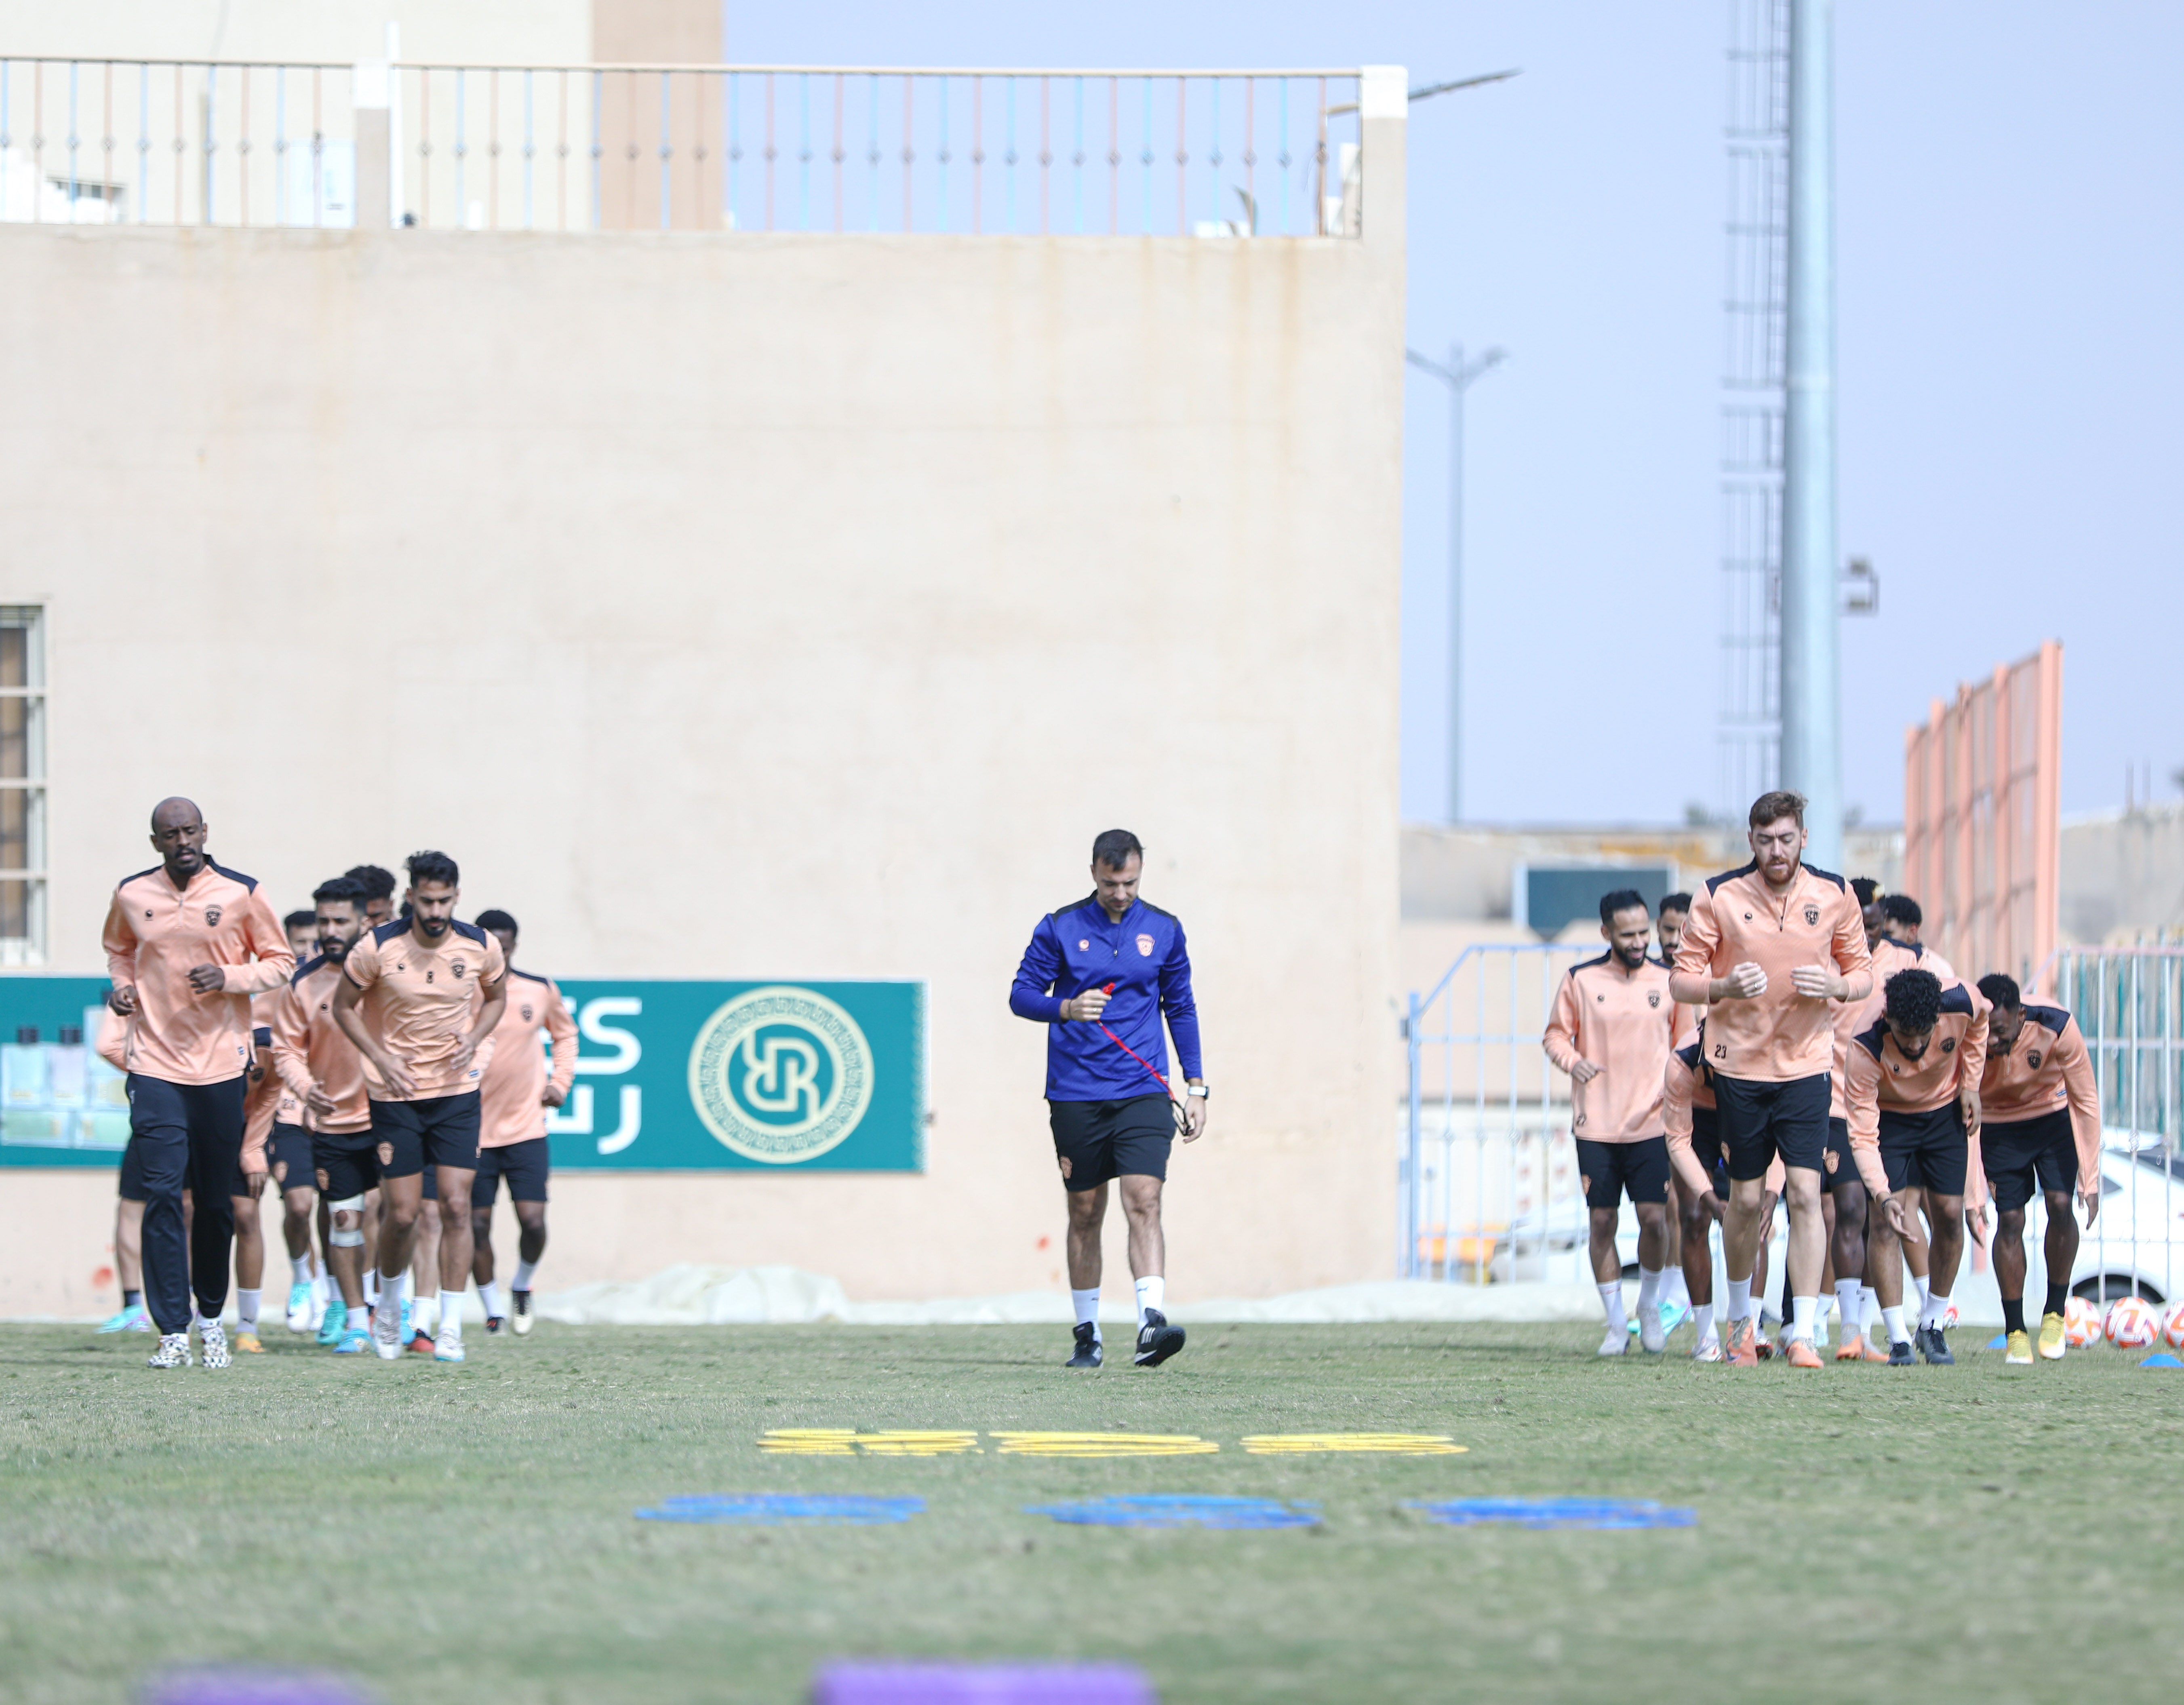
1487, 1184
680, 147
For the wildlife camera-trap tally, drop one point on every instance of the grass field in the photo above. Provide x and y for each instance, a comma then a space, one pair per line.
467, 1535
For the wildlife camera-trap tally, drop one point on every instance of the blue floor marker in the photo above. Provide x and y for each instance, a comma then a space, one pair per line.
1999, 1341
773, 1509
1176, 1510
1557, 1512
2161, 1358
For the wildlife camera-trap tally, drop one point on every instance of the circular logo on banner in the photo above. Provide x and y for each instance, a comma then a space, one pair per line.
781, 1075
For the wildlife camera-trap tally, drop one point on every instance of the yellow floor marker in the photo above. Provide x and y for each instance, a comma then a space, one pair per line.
1361, 1444
847, 1441
1104, 1445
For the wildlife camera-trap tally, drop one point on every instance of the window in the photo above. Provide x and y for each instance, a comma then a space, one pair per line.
22, 786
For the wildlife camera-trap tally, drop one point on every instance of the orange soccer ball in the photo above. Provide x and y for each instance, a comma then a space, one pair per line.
2081, 1323
2132, 1324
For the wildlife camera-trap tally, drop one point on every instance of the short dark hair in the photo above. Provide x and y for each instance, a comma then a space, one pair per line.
1867, 890
496, 919
298, 919
1912, 999
341, 888
1620, 899
1774, 806
429, 865
1113, 848
2002, 992
1676, 902
374, 883
1901, 908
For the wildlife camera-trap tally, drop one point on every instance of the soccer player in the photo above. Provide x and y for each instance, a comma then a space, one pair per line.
1867, 892
2041, 1113
1912, 1086
264, 1100
187, 943
1692, 1123
1101, 973
1766, 948
301, 927
1901, 920
1613, 1028
1675, 1289
378, 887
129, 1200
334, 1149
514, 1096
409, 999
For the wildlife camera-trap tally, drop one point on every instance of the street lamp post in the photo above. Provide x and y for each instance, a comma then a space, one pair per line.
1459, 376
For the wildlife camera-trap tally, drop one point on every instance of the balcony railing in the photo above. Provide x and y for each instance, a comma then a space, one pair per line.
721, 148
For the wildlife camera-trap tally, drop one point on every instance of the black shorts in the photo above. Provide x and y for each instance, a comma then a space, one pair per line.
2013, 1154
1839, 1166
522, 1164
1094, 1141
1706, 1148
438, 1131
1928, 1150
288, 1154
346, 1163
1606, 1170
1760, 1120
132, 1173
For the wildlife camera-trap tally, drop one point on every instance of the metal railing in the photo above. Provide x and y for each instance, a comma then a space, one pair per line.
1487, 1185
683, 147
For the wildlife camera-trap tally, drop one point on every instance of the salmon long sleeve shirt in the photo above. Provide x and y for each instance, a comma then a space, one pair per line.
420, 1001
1781, 1035
311, 1051
1685, 1085
1850, 1016
1625, 1022
511, 1096
155, 932
1879, 1076
2047, 1068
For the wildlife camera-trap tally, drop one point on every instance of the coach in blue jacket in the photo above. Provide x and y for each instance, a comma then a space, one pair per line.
1100, 974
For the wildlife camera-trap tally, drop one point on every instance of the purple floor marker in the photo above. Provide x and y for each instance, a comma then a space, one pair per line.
893, 1683
1180, 1510
1557, 1512
239, 1686
782, 1509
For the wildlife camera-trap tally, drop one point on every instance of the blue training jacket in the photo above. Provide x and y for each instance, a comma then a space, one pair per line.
1144, 956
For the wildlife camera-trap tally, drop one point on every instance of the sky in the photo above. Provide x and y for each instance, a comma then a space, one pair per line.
2009, 257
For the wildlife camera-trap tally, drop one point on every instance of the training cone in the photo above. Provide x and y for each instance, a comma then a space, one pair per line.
2161, 1359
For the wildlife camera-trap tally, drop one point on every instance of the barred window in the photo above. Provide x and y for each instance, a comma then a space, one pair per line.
22, 786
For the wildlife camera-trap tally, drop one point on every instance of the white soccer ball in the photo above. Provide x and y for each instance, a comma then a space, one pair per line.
2081, 1323
2131, 1323
1949, 1315
2172, 1326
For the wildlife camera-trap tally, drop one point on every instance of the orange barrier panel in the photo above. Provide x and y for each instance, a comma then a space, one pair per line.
1982, 819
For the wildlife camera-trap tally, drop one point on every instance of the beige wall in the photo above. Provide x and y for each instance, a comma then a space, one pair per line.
2122, 875
760, 606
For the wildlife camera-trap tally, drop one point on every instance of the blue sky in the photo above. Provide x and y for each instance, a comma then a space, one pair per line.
2010, 257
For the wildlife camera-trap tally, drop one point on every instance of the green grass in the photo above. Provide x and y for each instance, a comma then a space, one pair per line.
467, 1535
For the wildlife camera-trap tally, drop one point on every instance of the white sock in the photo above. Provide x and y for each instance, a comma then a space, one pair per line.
1649, 1294
1923, 1284
1087, 1305
1739, 1298
1151, 1293
1868, 1300
1934, 1311
199, 1320
325, 1286
451, 1318
524, 1269
1850, 1303
425, 1313
299, 1269
246, 1309
371, 1287
1702, 1319
1676, 1293
1805, 1311
1892, 1319
1611, 1298
489, 1295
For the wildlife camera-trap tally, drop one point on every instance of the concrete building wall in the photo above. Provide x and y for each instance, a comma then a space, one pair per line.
759, 606
2123, 876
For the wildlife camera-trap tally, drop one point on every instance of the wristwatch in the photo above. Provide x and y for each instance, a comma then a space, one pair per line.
1198, 1089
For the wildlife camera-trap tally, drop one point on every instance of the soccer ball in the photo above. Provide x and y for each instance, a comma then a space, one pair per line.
2081, 1323
2172, 1327
2133, 1324
1949, 1315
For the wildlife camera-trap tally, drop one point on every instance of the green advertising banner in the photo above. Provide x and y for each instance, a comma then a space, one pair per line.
671, 1077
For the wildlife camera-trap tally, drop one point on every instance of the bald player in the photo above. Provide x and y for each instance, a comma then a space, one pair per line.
1912, 1085
320, 1065
1612, 1030
1767, 947
187, 943
514, 1096
419, 998
2040, 1110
